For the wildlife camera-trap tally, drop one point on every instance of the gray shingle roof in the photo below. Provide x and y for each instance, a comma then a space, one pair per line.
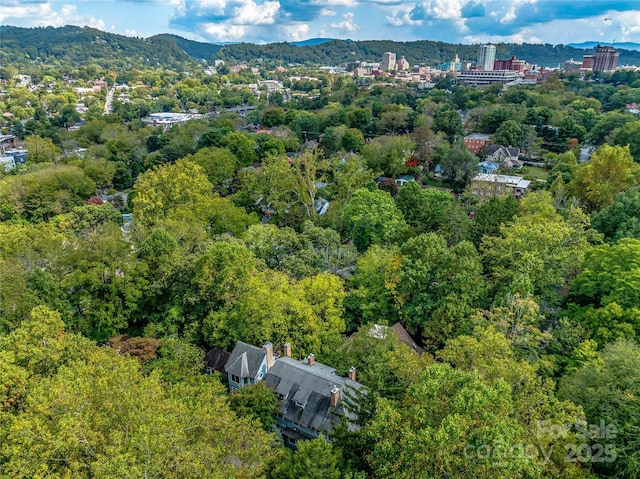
216, 359
307, 392
245, 360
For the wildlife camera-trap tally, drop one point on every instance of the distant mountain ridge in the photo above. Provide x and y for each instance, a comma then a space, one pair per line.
84, 45
312, 41
621, 45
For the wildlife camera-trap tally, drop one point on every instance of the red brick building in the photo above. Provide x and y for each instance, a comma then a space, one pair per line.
476, 141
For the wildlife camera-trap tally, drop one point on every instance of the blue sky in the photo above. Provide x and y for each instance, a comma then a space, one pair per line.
263, 21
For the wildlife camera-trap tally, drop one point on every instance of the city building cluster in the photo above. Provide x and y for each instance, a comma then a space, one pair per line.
487, 69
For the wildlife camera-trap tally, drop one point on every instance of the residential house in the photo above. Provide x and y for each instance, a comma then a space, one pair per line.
403, 180
248, 364
18, 154
476, 141
517, 164
7, 163
500, 154
487, 185
216, 360
312, 396
100, 85
488, 167
7, 142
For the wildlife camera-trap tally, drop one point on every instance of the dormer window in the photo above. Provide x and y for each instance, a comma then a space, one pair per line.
299, 404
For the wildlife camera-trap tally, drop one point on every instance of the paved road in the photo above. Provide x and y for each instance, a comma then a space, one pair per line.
107, 104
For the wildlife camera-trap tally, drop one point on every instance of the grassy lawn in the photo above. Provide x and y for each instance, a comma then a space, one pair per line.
533, 173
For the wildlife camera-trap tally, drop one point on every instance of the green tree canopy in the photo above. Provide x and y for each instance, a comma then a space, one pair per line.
423, 210
538, 251
608, 387
439, 287
621, 219
446, 417
610, 170
388, 154
371, 217
313, 459
45, 193
219, 164
372, 287
97, 415
170, 190
609, 283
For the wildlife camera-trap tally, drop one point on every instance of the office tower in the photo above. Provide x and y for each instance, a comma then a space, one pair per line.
403, 64
388, 62
486, 57
605, 59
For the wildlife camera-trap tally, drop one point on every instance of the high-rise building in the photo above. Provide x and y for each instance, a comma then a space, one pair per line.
605, 59
388, 62
403, 64
486, 57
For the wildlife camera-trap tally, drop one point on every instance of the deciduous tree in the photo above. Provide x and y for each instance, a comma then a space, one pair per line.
371, 217
610, 170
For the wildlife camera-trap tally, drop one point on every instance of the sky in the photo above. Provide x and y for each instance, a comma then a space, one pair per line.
266, 21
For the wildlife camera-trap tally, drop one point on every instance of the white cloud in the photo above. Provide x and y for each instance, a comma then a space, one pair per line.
224, 32
216, 6
445, 9
512, 12
402, 19
347, 24
42, 14
180, 8
297, 32
251, 13
335, 3
326, 12
629, 26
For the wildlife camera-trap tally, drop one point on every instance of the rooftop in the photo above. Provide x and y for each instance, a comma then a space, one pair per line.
245, 360
306, 391
478, 136
514, 181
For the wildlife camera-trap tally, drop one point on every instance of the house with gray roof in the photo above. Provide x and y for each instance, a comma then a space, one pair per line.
312, 396
248, 364
500, 154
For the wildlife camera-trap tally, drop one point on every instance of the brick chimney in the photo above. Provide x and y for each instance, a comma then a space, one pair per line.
311, 359
268, 349
352, 373
287, 349
335, 396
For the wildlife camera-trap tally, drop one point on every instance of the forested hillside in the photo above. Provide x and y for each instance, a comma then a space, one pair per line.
76, 44
337, 52
197, 50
